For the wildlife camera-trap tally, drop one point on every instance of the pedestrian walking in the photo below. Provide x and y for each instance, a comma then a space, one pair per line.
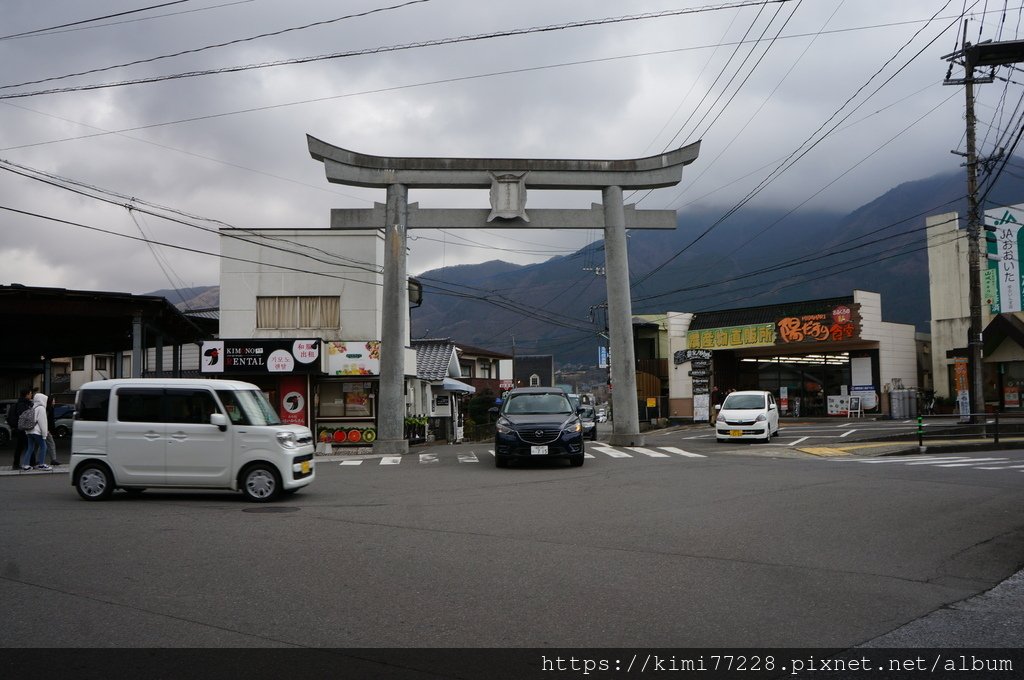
36, 434
51, 427
19, 437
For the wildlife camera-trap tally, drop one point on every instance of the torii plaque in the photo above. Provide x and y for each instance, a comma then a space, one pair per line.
508, 180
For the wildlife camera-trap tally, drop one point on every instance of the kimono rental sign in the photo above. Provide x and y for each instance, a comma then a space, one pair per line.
261, 356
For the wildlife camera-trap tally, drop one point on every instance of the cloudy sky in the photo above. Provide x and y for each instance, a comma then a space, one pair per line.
756, 81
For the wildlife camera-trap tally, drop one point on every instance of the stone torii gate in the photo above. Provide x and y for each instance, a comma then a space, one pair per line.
507, 180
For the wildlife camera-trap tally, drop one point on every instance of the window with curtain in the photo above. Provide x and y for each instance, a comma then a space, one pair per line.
298, 311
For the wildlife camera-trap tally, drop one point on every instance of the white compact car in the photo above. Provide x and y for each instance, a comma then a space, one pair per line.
747, 415
140, 433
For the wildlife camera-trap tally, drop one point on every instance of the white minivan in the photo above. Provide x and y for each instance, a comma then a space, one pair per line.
138, 433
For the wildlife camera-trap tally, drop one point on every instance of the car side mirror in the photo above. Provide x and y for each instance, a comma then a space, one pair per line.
220, 420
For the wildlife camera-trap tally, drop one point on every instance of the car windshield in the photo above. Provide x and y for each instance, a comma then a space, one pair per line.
586, 412
537, 404
248, 407
744, 401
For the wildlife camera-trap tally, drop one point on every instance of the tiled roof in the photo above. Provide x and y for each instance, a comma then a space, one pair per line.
481, 352
433, 358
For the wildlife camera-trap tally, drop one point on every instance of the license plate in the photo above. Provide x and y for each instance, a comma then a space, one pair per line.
735, 433
305, 467
538, 450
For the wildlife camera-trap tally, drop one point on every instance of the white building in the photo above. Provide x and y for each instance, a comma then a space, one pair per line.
813, 355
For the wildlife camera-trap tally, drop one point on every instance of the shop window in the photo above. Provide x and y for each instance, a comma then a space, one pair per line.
346, 400
298, 311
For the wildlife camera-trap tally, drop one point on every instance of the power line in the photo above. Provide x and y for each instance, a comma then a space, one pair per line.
797, 155
89, 21
49, 32
430, 83
396, 48
216, 46
491, 297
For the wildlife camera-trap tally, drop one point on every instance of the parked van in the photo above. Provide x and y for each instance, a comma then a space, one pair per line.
137, 433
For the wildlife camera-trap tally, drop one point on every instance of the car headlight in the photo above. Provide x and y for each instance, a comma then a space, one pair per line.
575, 426
761, 417
503, 427
719, 418
287, 440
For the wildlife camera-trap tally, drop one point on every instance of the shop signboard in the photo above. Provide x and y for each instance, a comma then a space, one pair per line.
1011, 396
841, 322
961, 382
868, 396
353, 357
250, 356
834, 323
292, 408
732, 337
1004, 226
700, 375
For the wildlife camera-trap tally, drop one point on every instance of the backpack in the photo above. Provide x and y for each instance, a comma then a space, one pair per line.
27, 419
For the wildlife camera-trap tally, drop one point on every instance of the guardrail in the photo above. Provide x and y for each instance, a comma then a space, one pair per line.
987, 426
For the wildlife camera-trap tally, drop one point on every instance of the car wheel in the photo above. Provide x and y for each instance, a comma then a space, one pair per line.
93, 481
500, 462
576, 461
260, 483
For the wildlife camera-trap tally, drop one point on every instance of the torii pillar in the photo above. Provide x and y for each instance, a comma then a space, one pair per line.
508, 180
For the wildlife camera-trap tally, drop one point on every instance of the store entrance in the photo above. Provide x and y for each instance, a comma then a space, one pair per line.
801, 384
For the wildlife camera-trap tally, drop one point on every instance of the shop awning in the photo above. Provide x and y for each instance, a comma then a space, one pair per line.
453, 385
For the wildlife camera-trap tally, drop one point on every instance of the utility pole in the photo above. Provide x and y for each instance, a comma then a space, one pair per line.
989, 54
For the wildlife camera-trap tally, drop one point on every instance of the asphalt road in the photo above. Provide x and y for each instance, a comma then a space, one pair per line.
736, 546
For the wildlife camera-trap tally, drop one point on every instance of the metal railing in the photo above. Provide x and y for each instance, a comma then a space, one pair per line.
990, 427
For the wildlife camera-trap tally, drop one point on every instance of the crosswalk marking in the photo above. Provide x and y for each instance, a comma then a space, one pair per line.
973, 462
614, 453
943, 462
688, 454
593, 451
648, 452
